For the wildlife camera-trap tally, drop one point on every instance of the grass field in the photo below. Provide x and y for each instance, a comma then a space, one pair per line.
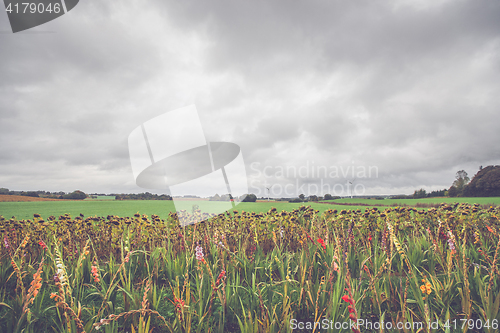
25, 210
102, 197
414, 202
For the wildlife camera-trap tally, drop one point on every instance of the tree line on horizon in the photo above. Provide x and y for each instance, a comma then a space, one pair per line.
75, 195
486, 183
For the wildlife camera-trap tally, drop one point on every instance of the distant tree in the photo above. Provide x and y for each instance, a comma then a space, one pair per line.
4, 190
328, 197
313, 198
461, 180
302, 197
453, 192
250, 198
440, 193
419, 194
486, 183
76, 195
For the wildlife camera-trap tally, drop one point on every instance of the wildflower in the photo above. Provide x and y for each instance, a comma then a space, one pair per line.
426, 288
36, 284
95, 273
476, 237
351, 309
322, 242
43, 245
199, 253
25, 241
179, 304
451, 242
6, 242
221, 276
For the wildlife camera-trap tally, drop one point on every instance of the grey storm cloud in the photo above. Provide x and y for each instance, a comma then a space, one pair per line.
410, 87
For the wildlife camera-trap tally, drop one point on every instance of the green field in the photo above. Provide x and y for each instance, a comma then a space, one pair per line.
102, 197
25, 210
414, 202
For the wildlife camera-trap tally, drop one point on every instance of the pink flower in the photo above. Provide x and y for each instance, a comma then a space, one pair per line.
199, 253
95, 273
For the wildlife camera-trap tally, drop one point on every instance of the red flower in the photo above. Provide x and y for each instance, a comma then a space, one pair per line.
322, 242
347, 299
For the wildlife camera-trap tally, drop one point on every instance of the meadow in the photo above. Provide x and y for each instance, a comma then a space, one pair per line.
419, 202
272, 271
162, 208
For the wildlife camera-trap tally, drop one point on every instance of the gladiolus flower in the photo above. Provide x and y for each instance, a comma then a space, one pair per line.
322, 242
95, 273
199, 253
347, 299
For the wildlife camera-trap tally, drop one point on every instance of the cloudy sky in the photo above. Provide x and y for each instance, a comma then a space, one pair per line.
409, 90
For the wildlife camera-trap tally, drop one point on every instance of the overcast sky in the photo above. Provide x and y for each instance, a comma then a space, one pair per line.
407, 89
